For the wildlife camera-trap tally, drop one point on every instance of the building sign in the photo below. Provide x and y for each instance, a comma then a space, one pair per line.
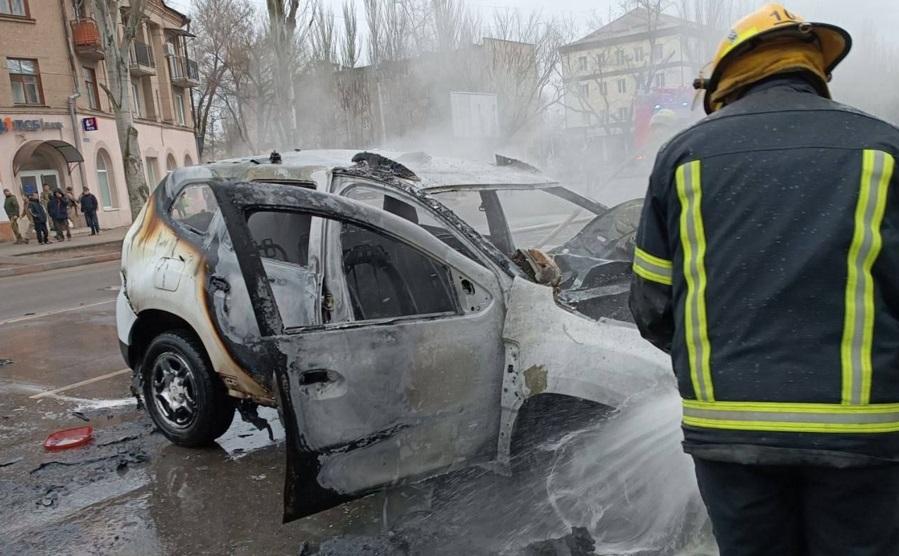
9, 125
89, 124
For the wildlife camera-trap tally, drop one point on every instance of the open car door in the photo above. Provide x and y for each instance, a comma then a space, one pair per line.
396, 374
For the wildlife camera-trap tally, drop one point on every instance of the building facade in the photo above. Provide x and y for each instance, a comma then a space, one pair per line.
464, 102
617, 75
56, 123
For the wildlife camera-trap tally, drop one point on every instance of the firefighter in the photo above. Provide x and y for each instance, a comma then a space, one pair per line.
767, 265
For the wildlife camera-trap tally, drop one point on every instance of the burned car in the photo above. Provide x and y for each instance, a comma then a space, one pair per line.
401, 311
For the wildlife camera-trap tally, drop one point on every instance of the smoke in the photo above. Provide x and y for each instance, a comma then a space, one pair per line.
629, 483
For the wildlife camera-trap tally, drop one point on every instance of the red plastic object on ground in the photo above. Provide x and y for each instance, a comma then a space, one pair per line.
69, 438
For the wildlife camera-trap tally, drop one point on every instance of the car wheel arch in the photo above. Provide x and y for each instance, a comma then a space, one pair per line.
547, 417
151, 323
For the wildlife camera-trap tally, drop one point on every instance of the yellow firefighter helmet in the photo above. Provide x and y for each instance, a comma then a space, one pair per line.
768, 24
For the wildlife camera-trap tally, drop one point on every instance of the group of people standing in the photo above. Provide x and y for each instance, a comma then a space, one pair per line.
51, 208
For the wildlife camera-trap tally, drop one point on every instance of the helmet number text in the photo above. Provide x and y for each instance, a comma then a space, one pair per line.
783, 17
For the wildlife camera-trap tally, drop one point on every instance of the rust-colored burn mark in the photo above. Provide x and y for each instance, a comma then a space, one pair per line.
535, 379
150, 225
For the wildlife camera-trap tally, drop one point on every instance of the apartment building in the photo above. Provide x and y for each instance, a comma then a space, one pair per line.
617, 75
56, 123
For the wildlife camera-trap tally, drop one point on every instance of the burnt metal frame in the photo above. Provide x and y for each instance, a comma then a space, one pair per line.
237, 199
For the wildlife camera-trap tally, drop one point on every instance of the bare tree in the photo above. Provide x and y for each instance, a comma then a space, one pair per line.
223, 29
373, 22
282, 26
322, 41
712, 19
349, 42
118, 70
526, 68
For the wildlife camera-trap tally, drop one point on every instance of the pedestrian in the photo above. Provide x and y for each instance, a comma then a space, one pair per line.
26, 214
89, 207
46, 195
766, 264
11, 205
38, 218
74, 206
58, 209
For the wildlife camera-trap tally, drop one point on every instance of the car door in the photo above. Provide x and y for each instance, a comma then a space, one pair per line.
399, 375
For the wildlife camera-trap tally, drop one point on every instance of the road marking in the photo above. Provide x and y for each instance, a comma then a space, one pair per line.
79, 384
56, 312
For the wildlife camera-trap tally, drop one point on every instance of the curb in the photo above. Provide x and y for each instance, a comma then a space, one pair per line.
60, 248
70, 247
56, 265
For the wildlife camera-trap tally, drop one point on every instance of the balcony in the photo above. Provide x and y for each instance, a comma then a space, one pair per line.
86, 38
184, 71
142, 62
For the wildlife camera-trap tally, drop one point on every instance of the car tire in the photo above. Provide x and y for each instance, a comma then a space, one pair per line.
184, 397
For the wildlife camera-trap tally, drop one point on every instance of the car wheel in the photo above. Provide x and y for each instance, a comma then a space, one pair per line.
184, 397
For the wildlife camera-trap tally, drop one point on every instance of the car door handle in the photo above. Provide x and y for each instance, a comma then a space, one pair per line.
321, 384
319, 376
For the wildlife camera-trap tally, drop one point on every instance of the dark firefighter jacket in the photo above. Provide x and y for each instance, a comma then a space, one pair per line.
767, 264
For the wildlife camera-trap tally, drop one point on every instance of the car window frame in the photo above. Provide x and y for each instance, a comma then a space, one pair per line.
237, 198
180, 223
335, 279
345, 184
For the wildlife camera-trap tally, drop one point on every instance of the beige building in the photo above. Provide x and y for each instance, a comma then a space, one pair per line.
56, 125
635, 58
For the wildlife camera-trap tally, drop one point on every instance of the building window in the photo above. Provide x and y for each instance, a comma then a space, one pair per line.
585, 90
137, 110
152, 172
657, 53
660, 81
170, 164
622, 85
105, 179
582, 63
188, 161
14, 7
90, 88
638, 53
619, 57
179, 108
603, 88
25, 78
623, 114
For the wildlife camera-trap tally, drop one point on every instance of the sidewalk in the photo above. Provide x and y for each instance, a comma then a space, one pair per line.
83, 249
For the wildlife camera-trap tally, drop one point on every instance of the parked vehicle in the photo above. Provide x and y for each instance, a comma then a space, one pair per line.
400, 311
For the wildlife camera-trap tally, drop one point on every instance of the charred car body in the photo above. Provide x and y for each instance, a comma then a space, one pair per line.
400, 311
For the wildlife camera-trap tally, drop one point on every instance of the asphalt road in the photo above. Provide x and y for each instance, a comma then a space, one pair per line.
59, 290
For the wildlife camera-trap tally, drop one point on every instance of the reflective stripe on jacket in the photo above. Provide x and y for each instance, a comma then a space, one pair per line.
767, 261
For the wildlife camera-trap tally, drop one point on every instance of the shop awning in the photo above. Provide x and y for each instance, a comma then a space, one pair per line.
68, 152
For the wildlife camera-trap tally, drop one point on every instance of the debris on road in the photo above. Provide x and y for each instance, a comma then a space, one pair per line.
69, 438
81, 416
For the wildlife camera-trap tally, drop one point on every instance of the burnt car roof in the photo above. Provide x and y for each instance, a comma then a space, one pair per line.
432, 173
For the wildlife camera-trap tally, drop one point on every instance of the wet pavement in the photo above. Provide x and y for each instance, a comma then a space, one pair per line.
131, 492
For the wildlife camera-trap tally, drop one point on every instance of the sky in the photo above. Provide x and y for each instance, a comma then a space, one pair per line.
852, 14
